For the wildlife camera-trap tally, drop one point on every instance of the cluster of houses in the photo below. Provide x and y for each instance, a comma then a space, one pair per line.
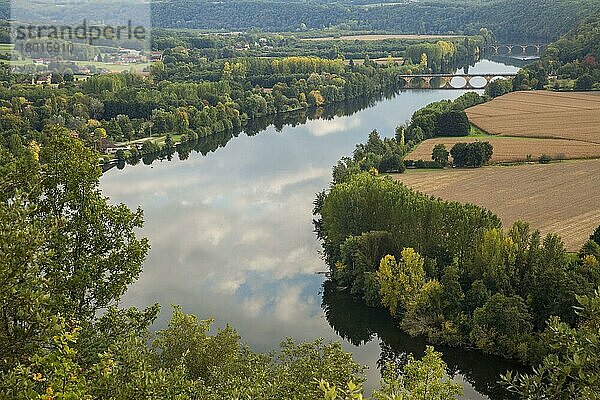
111, 149
45, 78
130, 56
261, 43
82, 72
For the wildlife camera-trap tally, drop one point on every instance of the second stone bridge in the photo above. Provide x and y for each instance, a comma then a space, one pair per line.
445, 81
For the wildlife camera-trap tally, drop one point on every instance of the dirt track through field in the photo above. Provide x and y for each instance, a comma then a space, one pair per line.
562, 198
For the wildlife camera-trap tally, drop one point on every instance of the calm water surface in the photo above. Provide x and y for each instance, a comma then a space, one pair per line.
232, 238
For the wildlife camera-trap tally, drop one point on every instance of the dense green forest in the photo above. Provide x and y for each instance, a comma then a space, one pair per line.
125, 106
448, 271
508, 19
572, 61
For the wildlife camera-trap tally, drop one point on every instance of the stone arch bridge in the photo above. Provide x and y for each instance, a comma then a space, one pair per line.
509, 49
444, 81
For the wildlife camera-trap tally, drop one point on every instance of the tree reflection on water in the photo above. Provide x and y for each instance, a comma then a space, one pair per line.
359, 324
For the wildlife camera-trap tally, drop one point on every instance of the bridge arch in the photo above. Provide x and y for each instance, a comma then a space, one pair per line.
478, 82
458, 82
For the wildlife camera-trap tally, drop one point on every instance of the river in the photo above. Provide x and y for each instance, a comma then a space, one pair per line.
232, 238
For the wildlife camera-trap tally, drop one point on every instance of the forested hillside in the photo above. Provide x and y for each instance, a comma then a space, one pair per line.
510, 19
572, 61
582, 41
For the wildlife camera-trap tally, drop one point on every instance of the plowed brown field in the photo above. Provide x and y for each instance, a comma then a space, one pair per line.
541, 114
560, 198
561, 125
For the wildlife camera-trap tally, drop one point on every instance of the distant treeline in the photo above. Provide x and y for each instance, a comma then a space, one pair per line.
256, 43
539, 20
126, 106
509, 19
193, 97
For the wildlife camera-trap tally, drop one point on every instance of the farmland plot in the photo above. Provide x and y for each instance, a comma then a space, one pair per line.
515, 149
541, 114
561, 197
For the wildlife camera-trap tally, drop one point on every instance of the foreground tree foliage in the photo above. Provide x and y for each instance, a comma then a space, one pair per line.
67, 251
572, 370
95, 253
67, 256
24, 291
423, 379
184, 362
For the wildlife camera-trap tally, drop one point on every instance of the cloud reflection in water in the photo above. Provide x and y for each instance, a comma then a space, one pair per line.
232, 234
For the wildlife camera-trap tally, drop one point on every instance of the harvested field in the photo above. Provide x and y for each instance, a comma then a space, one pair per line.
514, 149
541, 114
383, 37
561, 197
